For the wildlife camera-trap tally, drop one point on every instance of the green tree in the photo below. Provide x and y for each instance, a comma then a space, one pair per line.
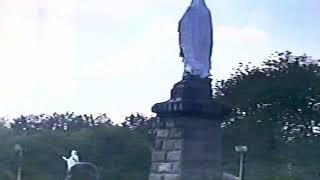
273, 114
117, 152
58, 122
141, 124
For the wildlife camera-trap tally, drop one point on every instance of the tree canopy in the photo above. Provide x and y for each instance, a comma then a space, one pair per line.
273, 112
119, 152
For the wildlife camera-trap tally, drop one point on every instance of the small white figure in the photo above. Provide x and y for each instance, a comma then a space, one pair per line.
73, 159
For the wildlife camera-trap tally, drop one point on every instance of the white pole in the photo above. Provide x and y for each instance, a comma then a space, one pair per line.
19, 173
18, 149
241, 166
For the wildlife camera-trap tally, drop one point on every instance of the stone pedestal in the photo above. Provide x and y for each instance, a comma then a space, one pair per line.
188, 140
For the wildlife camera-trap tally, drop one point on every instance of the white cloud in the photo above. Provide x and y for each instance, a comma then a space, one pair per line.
110, 8
114, 9
149, 64
114, 56
34, 54
144, 51
248, 36
234, 44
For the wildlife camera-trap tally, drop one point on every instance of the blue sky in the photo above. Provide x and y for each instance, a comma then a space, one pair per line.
122, 56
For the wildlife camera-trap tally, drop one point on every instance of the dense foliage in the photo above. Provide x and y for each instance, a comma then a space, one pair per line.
274, 114
58, 122
119, 152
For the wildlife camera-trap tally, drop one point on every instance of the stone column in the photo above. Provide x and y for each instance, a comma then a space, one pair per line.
188, 140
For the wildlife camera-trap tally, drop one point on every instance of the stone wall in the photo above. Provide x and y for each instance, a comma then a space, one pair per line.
187, 148
166, 155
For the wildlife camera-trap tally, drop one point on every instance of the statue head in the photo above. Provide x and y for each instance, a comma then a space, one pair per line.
198, 2
74, 152
83, 171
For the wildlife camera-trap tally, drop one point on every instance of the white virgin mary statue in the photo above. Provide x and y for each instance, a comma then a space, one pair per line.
196, 39
72, 160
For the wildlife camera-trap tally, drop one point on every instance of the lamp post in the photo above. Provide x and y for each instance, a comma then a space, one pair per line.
19, 152
242, 150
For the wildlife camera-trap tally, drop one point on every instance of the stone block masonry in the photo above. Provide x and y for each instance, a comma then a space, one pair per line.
167, 152
187, 148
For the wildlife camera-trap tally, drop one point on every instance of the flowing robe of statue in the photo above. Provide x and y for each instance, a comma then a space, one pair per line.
195, 39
